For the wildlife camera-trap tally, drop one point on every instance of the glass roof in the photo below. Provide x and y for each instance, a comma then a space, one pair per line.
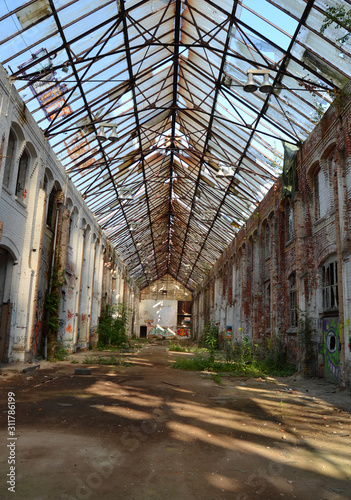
189, 151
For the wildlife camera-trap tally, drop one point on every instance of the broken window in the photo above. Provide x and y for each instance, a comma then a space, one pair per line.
289, 211
21, 185
10, 159
322, 194
330, 286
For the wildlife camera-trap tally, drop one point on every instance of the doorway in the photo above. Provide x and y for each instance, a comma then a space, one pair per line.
143, 332
6, 266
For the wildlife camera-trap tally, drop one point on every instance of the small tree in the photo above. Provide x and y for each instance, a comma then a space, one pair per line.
211, 339
112, 328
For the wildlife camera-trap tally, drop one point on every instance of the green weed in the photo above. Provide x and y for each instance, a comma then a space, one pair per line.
89, 360
216, 377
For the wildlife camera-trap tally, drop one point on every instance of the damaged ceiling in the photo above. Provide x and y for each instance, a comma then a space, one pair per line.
192, 153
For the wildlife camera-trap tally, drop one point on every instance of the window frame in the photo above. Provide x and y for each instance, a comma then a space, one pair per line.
22, 175
10, 160
290, 221
293, 309
330, 289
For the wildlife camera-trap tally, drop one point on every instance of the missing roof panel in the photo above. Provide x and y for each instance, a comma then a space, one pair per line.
34, 13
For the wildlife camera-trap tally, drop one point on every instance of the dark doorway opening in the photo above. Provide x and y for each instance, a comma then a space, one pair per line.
143, 332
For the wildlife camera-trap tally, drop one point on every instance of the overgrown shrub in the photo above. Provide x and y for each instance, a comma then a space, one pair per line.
112, 328
210, 339
240, 352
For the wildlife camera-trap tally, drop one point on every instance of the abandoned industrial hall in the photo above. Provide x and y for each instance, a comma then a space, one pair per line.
188, 159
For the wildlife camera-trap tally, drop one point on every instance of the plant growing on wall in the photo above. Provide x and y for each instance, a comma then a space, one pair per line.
52, 305
306, 343
112, 328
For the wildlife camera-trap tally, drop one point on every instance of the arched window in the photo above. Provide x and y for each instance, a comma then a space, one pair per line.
72, 224
322, 193
21, 184
10, 159
50, 215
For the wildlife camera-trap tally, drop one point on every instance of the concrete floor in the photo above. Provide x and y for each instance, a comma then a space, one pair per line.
147, 431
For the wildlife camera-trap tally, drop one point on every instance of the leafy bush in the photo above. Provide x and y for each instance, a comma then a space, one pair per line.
60, 353
240, 352
211, 339
112, 329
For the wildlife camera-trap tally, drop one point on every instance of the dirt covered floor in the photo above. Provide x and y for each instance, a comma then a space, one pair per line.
147, 431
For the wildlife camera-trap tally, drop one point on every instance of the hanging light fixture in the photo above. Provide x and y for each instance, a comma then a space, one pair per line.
229, 173
101, 134
227, 81
125, 194
251, 86
113, 136
266, 86
220, 172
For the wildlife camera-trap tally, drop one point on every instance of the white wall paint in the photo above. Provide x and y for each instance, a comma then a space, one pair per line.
161, 312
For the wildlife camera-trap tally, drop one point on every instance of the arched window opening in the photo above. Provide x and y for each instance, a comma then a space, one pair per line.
21, 184
322, 194
50, 216
10, 159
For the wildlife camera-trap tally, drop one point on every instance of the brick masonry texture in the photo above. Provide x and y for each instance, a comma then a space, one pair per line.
256, 303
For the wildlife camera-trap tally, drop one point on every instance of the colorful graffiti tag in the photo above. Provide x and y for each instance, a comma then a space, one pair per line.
330, 348
158, 331
183, 332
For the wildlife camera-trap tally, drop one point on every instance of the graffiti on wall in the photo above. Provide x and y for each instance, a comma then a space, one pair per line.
330, 349
159, 331
183, 332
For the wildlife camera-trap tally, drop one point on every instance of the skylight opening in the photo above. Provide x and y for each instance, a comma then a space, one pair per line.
126, 104
161, 68
268, 11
